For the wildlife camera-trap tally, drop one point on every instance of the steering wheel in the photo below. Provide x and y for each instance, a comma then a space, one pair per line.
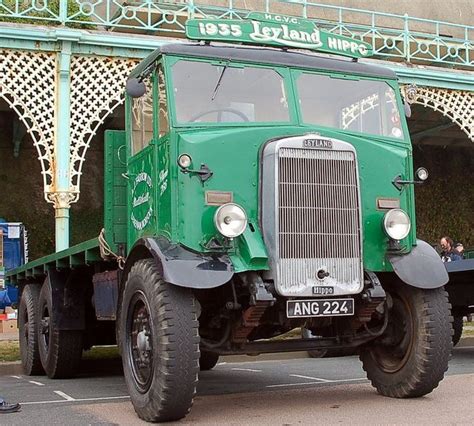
219, 116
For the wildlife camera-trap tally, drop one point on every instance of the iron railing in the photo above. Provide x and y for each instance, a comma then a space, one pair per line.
393, 37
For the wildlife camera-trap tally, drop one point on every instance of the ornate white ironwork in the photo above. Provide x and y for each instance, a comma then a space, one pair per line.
458, 105
61, 200
27, 83
97, 89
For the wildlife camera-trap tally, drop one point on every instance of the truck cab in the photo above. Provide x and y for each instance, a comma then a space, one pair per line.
216, 126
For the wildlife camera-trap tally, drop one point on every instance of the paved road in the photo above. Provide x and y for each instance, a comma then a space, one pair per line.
277, 392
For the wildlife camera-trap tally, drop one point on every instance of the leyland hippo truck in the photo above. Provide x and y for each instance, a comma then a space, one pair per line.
257, 188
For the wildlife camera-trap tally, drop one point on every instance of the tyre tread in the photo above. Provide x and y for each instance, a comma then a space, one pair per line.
30, 360
63, 358
175, 311
432, 354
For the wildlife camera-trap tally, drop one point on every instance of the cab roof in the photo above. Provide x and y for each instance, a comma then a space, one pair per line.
262, 55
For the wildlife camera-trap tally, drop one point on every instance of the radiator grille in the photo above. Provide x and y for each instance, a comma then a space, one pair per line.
318, 216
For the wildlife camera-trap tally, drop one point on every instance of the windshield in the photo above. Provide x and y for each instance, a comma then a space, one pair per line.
210, 93
364, 106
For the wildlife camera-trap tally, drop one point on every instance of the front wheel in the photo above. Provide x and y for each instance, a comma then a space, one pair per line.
410, 358
160, 344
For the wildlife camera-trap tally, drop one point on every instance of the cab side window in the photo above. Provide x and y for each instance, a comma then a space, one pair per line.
142, 119
163, 122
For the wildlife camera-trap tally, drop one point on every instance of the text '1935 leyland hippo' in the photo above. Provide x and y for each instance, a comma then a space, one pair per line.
255, 190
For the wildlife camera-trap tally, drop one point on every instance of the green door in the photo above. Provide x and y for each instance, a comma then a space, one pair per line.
141, 171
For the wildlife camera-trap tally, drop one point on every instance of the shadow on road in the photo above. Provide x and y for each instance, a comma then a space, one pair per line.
464, 355
101, 367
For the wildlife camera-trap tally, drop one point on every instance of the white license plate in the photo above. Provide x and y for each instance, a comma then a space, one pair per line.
319, 308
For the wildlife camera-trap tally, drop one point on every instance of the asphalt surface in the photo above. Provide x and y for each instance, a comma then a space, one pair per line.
269, 391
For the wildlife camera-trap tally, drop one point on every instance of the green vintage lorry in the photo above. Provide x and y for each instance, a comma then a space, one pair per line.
256, 189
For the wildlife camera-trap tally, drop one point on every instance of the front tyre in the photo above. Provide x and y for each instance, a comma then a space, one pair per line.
160, 344
410, 358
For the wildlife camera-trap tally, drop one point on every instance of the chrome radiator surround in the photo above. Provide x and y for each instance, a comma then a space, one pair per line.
311, 222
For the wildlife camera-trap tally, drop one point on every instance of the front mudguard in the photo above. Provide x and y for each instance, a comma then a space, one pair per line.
180, 266
421, 268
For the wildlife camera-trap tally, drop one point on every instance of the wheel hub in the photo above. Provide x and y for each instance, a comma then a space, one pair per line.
44, 328
394, 346
143, 342
140, 343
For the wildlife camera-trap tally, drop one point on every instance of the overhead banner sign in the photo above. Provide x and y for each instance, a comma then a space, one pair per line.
276, 30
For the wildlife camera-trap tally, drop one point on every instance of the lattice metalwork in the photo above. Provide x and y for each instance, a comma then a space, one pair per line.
97, 89
458, 105
27, 83
392, 36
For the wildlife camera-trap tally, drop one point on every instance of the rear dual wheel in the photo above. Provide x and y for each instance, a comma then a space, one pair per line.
27, 322
60, 351
410, 358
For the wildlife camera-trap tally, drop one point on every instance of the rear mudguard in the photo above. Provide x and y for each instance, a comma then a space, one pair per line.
180, 266
421, 268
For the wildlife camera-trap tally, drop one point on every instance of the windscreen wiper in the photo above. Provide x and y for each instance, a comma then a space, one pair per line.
216, 89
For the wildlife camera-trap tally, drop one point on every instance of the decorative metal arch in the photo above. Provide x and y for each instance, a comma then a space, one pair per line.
97, 86
458, 105
27, 83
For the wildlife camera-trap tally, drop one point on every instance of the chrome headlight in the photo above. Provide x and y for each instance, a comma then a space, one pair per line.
230, 220
396, 224
184, 161
421, 173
